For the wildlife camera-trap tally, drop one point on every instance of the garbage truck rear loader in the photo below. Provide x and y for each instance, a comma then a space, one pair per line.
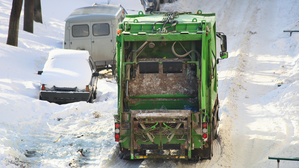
167, 85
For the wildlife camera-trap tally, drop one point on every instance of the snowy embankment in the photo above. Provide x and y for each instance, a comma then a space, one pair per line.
36, 133
258, 118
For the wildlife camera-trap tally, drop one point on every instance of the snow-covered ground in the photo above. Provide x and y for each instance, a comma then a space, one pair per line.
258, 118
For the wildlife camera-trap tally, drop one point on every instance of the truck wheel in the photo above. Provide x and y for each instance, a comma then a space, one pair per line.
216, 120
215, 125
95, 93
125, 154
211, 141
91, 98
113, 65
113, 69
195, 155
158, 6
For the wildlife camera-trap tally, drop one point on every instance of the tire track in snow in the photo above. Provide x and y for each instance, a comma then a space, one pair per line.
234, 76
242, 46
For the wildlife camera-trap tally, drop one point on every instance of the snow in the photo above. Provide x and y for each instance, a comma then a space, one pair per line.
258, 118
67, 68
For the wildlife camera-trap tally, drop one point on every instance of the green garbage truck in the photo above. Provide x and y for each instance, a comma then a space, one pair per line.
167, 85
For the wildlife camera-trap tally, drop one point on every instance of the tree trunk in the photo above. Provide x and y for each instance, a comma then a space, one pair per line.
28, 15
13, 31
37, 11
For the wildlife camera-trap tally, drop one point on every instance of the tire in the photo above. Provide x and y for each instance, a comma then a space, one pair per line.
195, 155
209, 150
40, 97
125, 154
91, 98
113, 65
215, 125
113, 69
216, 120
95, 93
158, 5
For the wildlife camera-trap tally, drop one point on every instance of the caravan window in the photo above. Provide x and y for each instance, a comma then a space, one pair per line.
80, 30
101, 29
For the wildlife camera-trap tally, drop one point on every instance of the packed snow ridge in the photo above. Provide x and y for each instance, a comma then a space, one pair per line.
258, 91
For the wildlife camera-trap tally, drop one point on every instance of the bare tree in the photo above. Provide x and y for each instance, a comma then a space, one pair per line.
37, 11
13, 31
28, 15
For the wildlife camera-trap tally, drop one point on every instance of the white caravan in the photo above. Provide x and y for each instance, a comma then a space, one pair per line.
94, 28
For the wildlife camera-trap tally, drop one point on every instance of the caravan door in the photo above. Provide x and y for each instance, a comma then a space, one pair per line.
80, 36
102, 42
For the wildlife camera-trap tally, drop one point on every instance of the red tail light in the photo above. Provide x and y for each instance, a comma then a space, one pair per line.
204, 125
43, 87
87, 88
205, 136
117, 131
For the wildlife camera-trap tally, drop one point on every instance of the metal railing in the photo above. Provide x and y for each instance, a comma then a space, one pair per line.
291, 31
279, 159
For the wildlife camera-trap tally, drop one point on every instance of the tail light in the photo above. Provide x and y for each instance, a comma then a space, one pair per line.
87, 88
43, 87
117, 132
116, 139
205, 131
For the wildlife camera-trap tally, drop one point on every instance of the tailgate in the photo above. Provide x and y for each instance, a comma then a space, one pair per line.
161, 129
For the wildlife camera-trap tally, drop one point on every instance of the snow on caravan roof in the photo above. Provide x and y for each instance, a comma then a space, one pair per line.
94, 13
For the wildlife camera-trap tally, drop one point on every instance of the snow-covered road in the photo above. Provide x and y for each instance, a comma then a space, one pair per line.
258, 118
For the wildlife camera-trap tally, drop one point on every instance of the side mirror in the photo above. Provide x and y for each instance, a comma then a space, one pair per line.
95, 74
39, 72
222, 37
223, 43
223, 55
